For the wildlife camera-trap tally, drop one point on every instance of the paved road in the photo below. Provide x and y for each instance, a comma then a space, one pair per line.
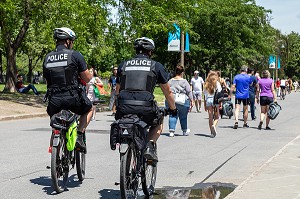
191, 162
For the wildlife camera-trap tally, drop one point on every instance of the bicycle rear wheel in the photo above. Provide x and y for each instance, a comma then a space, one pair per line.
80, 164
59, 167
149, 177
129, 180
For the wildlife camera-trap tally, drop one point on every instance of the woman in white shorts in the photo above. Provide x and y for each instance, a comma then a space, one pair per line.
212, 86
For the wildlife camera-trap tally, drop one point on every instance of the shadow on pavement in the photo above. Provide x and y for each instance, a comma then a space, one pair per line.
109, 194
203, 135
46, 182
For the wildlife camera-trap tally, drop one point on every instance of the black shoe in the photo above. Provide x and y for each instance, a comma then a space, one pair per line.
254, 118
259, 126
245, 125
236, 125
268, 128
150, 151
80, 142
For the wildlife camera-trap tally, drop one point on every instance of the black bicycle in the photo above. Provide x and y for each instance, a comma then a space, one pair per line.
136, 172
64, 154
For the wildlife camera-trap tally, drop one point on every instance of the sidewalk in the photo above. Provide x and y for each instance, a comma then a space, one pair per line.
11, 110
278, 178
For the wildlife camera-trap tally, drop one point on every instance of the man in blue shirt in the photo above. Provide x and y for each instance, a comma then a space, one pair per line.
252, 92
112, 82
241, 82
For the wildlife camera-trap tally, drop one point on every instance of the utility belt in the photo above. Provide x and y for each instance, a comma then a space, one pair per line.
73, 89
135, 102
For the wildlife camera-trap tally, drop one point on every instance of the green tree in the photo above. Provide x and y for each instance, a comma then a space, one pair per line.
291, 53
230, 33
15, 19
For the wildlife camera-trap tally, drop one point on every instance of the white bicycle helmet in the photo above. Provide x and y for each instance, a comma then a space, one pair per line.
64, 34
145, 43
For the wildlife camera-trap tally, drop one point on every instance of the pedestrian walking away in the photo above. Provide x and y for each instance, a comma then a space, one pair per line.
183, 100
225, 104
278, 87
241, 82
296, 85
265, 95
252, 92
112, 82
91, 87
196, 87
282, 89
211, 89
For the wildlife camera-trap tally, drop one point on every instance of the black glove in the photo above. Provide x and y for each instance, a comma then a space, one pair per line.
173, 112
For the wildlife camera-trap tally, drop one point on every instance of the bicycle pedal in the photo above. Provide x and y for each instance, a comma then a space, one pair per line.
151, 162
81, 150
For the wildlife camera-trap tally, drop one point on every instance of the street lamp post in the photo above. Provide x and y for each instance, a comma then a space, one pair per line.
276, 69
279, 52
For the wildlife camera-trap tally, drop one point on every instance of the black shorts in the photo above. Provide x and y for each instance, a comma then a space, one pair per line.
282, 87
265, 101
147, 112
244, 101
75, 101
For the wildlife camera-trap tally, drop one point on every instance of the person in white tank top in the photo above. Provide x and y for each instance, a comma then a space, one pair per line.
90, 89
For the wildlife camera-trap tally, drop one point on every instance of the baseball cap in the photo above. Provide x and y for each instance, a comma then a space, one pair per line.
196, 72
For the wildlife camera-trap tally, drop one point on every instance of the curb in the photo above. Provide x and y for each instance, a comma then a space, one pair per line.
22, 116
26, 116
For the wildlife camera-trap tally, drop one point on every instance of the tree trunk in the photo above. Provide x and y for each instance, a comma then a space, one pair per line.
30, 68
1, 68
11, 70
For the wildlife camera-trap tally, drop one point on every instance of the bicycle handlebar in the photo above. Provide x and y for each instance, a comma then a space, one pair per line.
165, 112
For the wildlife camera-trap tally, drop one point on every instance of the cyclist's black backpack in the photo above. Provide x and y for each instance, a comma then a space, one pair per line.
62, 120
227, 108
274, 110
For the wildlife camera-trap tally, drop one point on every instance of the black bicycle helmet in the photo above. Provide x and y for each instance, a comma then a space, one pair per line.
144, 43
64, 34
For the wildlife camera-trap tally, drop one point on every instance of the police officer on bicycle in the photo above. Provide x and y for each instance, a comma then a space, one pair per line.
63, 68
136, 80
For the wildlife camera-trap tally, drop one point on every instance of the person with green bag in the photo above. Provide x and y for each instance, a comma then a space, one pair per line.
93, 92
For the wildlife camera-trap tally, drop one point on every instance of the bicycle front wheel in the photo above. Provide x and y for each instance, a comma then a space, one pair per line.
129, 179
59, 167
80, 164
149, 177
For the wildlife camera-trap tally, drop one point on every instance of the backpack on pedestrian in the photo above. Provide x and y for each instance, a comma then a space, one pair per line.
274, 109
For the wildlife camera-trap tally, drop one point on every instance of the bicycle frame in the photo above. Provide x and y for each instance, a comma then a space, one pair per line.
62, 154
136, 172
58, 135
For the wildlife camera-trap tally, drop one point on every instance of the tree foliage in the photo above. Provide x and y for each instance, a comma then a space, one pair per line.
223, 34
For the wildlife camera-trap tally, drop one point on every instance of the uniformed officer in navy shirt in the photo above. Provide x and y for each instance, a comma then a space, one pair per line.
63, 70
136, 81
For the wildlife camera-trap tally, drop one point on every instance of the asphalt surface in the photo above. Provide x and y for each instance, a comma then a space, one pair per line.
269, 168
